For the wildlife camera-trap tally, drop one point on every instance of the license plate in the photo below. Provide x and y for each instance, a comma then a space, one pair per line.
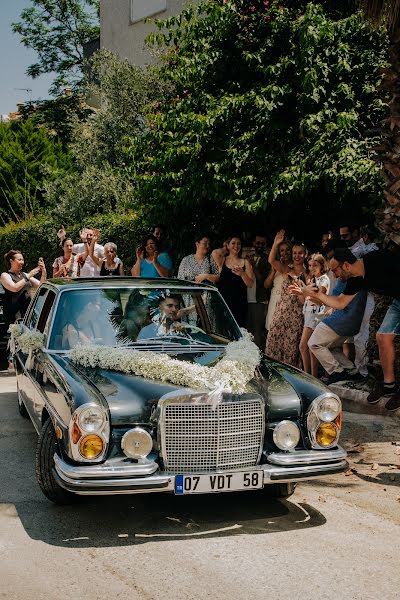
218, 482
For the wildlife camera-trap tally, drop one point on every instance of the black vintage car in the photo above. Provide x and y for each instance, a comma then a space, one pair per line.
105, 430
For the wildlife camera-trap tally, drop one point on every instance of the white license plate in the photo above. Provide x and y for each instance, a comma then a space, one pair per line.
218, 482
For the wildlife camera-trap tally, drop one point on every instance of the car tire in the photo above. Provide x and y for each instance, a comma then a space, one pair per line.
46, 448
281, 490
21, 406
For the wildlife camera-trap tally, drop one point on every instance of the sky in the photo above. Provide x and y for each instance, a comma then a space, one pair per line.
14, 60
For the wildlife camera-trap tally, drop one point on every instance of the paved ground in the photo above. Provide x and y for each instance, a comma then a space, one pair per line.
337, 538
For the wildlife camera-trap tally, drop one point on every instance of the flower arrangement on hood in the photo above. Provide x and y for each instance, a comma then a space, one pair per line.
231, 373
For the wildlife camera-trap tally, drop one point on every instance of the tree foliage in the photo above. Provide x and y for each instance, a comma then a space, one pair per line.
59, 115
57, 31
25, 152
273, 102
99, 182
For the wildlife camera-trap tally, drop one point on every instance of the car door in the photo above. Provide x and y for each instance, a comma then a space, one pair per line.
29, 375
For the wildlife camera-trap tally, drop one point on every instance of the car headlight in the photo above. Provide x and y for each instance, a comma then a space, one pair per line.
89, 433
326, 434
286, 435
324, 421
91, 446
137, 443
91, 419
328, 408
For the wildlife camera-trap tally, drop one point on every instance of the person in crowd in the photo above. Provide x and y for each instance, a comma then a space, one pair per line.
275, 279
88, 267
220, 254
326, 342
235, 276
200, 266
287, 324
378, 272
18, 287
257, 294
160, 233
150, 262
313, 311
349, 234
110, 265
68, 265
325, 239
365, 244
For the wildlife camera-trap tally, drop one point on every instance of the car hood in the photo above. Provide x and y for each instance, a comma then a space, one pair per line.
286, 391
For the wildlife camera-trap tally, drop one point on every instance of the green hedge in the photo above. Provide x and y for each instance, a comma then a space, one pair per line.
37, 237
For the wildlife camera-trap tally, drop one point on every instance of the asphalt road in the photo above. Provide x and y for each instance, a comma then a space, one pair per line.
333, 539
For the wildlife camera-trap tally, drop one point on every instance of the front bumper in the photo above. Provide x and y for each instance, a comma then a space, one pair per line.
122, 478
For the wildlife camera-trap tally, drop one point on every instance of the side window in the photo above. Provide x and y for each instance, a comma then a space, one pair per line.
34, 314
44, 318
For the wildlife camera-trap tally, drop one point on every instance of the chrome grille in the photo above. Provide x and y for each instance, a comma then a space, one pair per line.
200, 437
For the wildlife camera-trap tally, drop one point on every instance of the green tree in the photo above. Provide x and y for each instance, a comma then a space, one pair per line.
57, 31
25, 153
272, 104
386, 151
100, 182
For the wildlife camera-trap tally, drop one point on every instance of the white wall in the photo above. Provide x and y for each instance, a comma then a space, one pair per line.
122, 29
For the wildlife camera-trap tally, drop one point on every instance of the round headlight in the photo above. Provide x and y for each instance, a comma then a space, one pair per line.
286, 435
328, 408
137, 443
326, 434
91, 446
91, 419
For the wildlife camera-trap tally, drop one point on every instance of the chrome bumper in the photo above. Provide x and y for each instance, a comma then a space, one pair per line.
120, 478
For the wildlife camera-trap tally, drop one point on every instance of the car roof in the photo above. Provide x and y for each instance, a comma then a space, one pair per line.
112, 282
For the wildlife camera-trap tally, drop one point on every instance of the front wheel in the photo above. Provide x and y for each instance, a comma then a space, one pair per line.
281, 490
46, 448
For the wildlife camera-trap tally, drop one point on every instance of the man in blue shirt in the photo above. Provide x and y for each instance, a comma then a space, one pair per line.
326, 343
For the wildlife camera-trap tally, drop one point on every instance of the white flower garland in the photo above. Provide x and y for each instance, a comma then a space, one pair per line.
28, 341
232, 373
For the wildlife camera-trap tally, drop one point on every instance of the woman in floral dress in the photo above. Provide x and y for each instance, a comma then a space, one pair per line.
287, 323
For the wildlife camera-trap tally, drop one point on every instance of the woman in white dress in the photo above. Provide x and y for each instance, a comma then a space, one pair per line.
275, 280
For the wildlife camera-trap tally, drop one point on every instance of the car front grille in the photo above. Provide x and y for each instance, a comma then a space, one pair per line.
201, 437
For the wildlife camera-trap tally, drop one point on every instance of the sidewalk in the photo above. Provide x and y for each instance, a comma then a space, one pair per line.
355, 400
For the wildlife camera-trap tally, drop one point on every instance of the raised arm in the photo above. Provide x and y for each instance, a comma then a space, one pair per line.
135, 271
273, 261
98, 261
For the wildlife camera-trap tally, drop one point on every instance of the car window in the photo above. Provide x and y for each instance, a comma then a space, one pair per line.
126, 315
34, 313
44, 318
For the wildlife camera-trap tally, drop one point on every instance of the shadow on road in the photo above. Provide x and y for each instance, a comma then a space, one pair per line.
125, 520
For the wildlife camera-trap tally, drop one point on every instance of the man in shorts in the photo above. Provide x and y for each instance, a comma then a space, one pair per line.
377, 272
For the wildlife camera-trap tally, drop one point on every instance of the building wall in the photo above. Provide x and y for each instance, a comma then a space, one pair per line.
123, 31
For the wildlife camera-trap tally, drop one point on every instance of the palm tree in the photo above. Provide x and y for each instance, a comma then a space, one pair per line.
388, 152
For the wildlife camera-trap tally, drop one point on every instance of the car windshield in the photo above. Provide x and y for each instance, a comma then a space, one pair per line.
143, 318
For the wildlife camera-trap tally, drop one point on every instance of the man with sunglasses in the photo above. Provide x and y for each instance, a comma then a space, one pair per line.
377, 272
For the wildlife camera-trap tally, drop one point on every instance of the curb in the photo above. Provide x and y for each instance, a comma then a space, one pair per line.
355, 401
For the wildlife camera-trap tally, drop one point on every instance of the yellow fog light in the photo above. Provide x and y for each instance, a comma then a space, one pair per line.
91, 446
326, 434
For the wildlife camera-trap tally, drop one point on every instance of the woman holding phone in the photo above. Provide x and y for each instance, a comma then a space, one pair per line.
287, 323
18, 287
